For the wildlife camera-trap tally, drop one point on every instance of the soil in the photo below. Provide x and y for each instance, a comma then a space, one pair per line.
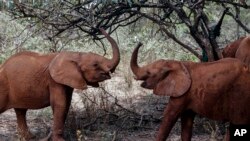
117, 112
40, 122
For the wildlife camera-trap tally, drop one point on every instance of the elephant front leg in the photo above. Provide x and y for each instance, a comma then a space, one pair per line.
171, 114
22, 124
187, 119
60, 103
227, 135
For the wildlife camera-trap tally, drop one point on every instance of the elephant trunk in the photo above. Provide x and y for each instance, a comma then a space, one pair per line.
116, 54
139, 73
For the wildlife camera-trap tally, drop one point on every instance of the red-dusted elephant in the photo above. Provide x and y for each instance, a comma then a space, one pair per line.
230, 49
30, 80
238, 49
218, 90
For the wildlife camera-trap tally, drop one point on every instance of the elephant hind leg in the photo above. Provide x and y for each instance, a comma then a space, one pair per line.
3, 103
2, 109
22, 124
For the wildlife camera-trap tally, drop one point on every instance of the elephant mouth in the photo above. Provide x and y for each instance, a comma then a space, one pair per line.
146, 85
105, 76
101, 78
93, 84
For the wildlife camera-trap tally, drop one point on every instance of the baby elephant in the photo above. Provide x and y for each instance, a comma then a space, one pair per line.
30, 80
217, 90
239, 49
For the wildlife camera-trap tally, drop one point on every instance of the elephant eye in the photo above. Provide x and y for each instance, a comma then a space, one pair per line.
148, 73
95, 65
165, 74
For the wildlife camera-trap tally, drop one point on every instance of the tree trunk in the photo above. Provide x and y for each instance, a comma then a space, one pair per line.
210, 53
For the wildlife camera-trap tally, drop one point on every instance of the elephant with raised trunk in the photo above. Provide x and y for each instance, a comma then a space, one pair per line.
238, 49
218, 90
30, 80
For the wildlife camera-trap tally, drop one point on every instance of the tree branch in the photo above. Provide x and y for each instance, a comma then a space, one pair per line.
178, 41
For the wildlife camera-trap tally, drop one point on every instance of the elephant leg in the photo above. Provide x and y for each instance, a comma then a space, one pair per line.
22, 124
227, 135
187, 119
171, 114
2, 110
4, 103
60, 103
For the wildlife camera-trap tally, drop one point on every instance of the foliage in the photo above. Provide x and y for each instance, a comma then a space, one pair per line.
192, 20
16, 38
19, 37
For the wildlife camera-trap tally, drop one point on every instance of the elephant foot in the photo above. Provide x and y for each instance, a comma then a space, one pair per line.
46, 138
57, 138
27, 136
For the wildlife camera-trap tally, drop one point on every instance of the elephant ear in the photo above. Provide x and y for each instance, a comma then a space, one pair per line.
176, 83
64, 70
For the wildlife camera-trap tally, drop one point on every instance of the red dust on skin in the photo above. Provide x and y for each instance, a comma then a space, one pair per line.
239, 49
217, 90
230, 49
30, 80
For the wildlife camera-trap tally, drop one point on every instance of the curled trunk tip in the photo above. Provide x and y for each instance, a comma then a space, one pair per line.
133, 63
116, 54
139, 45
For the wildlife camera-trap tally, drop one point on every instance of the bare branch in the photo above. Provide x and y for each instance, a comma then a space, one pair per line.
61, 18
237, 19
243, 5
178, 41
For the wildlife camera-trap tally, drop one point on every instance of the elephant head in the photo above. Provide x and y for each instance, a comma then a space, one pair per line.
169, 78
77, 69
231, 49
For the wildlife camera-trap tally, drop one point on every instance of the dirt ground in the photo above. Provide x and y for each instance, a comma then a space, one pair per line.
40, 122
116, 113
40, 126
